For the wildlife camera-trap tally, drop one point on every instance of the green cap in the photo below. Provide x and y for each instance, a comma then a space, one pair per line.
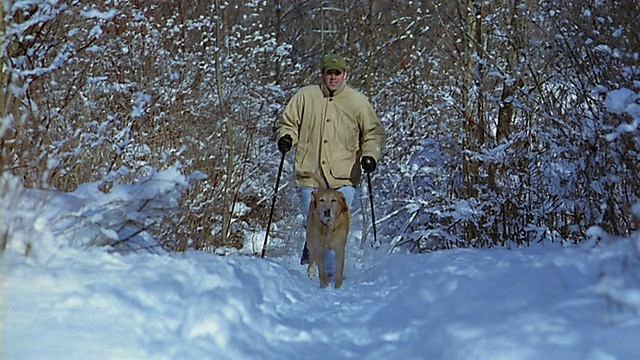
333, 62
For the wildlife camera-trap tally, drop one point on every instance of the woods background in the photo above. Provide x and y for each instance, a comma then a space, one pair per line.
495, 110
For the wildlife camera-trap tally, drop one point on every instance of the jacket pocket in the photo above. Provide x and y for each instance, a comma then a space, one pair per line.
342, 166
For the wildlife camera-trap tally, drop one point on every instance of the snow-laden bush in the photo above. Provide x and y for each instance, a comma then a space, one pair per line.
621, 291
122, 218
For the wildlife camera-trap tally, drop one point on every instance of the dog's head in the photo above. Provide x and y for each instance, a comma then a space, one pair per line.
328, 205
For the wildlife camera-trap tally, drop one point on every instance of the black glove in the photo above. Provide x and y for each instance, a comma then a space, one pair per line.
368, 164
285, 143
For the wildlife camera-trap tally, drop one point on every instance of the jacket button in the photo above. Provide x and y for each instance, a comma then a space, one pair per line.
326, 141
328, 120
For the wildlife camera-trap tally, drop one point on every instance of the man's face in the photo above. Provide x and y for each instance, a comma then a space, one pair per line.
333, 79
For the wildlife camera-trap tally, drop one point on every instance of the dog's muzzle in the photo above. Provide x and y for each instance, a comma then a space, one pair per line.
326, 218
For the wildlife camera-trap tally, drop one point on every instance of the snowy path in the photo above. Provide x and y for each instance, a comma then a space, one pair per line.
458, 304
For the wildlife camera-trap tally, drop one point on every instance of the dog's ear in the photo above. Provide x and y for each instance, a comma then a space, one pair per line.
313, 203
343, 203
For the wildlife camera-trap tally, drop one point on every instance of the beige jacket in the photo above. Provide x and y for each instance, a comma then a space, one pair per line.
331, 133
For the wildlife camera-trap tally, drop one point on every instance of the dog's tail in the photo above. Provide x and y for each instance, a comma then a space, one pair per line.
321, 182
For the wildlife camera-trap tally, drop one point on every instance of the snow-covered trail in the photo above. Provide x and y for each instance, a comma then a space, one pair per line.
456, 304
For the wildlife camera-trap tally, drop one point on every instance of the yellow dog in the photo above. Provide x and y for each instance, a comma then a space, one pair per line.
327, 229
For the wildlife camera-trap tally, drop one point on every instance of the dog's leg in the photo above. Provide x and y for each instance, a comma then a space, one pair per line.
339, 266
311, 269
324, 280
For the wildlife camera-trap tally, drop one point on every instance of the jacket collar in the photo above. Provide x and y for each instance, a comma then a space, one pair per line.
326, 92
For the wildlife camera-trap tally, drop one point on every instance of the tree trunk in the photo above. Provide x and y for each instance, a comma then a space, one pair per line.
470, 14
278, 33
371, 43
226, 193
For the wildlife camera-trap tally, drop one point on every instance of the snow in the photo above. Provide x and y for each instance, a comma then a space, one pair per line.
71, 299
93, 13
617, 101
623, 101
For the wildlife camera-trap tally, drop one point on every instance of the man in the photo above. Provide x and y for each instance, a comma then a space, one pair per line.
336, 131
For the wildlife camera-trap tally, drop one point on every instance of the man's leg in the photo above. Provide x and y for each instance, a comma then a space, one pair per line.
305, 200
349, 192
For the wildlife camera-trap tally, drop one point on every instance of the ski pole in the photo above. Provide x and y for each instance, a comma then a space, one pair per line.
373, 214
273, 205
